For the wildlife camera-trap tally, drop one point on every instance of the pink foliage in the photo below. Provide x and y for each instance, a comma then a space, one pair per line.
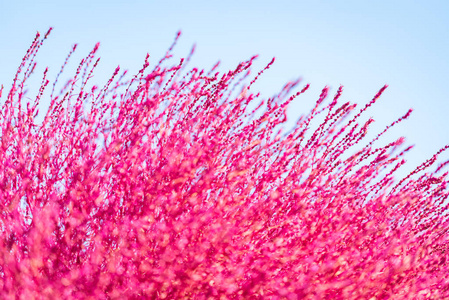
176, 184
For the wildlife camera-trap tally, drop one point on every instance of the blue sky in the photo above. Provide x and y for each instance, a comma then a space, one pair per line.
359, 44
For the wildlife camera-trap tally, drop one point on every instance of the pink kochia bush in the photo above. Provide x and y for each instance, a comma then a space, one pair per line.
178, 183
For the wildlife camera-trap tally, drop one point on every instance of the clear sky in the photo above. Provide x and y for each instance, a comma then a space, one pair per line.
359, 44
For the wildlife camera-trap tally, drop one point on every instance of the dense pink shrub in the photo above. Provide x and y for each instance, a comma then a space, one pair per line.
177, 184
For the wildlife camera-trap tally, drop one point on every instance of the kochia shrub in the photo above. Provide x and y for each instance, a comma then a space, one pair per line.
177, 183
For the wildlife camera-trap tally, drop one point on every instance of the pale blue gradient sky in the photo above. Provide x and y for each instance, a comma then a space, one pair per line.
360, 44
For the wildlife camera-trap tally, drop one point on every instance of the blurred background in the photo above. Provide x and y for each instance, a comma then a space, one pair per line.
359, 44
